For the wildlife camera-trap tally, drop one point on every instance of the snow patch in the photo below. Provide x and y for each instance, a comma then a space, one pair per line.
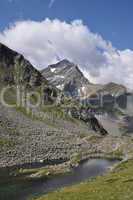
83, 88
52, 69
60, 87
59, 76
82, 91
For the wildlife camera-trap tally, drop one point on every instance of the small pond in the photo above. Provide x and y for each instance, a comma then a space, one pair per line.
23, 190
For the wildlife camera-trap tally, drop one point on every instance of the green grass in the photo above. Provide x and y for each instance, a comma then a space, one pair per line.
48, 171
117, 185
117, 153
76, 159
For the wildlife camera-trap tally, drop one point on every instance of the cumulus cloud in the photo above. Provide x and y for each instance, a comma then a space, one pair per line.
49, 41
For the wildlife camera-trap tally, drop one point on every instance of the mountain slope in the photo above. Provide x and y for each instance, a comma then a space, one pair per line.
113, 89
66, 76
43, 133
15, 69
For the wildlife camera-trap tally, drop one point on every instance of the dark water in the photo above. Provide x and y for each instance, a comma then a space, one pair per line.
25, 189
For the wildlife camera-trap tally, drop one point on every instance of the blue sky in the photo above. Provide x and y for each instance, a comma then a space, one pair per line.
110, 18
95, 34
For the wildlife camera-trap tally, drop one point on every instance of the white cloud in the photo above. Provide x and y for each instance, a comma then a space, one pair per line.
45, 42
51, 3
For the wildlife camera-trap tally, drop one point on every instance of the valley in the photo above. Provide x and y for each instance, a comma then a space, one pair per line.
59, 121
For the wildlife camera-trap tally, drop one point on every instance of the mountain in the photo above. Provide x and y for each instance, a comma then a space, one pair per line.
15, 70
50, 131
29, 134
39, 142
67, 77
113, 89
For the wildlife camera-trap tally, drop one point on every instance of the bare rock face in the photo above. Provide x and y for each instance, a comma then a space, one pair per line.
16, 70
6, 64
67, 77
114, 89
89, 118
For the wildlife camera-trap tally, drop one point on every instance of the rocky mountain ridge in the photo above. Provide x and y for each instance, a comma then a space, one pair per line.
17, 71
68, 78
13, 64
